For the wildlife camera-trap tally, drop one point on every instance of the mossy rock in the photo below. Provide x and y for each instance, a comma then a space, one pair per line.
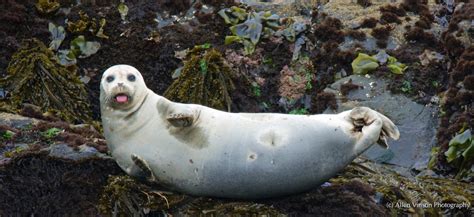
205, 79
422, 195
35, 76
124, 196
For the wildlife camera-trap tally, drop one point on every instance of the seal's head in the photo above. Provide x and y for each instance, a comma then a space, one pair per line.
122, 87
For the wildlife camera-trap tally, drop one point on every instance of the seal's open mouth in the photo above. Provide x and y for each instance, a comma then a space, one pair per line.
121, 98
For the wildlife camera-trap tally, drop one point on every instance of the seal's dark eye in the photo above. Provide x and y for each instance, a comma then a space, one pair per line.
110, 78
131, 77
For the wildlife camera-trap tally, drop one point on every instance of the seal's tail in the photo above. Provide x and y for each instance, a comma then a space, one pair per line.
375, 127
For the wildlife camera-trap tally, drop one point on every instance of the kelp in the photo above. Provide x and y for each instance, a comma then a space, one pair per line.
205, 79
47, 6
461, 152
248, 27
35, 76
248, 33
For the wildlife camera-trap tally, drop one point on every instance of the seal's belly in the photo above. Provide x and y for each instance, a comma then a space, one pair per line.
240, 154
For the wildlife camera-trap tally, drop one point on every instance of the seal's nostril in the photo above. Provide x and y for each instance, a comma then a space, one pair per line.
120, 84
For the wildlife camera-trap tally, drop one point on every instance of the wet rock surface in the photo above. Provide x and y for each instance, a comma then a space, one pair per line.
416, 122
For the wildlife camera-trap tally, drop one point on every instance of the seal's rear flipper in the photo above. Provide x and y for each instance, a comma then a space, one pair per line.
374, 126
388, 129
143, 165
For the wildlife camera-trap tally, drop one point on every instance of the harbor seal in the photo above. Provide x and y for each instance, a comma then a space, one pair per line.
201, 151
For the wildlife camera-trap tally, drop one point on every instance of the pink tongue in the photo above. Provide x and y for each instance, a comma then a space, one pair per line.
121, 98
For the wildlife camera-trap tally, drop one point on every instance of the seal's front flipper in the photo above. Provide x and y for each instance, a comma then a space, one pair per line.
143, 165
180, 119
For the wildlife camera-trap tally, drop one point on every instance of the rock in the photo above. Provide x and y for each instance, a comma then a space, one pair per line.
64, 151
417, 123
49, 179
352, 15
16, 121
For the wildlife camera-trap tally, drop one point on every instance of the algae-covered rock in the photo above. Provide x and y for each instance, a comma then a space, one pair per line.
61, 175
205, 79
421, 196
35, 76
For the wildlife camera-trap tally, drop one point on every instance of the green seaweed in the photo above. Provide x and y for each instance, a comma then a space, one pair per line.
256, 89
79, 48
8, 135
233, 15
82, 48
406, 87
35, 76
14, 152
123, 10
461, 152
51, 133
204, 79
100, 33
249, 47
395, 66
433, 158
364, 63
47, 6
